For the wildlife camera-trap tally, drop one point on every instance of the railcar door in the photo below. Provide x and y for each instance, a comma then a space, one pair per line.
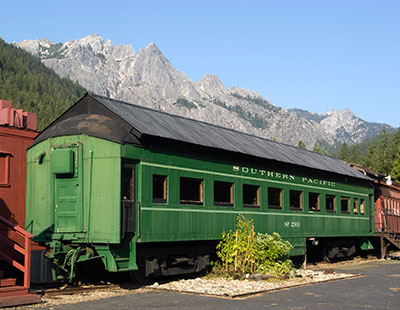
66, 167
128, 195
371, 214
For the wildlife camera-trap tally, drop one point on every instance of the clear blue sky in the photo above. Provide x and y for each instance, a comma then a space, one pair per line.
313, 55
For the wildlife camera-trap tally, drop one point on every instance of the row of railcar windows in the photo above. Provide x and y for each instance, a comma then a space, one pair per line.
191, 192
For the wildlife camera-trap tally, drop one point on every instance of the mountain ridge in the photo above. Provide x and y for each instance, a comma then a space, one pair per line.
146, 77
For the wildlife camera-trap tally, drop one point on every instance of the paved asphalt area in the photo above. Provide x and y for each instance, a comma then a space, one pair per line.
379, 288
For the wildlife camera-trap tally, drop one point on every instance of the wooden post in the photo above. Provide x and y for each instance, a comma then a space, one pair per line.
236, 251
247, 249
383, 247
27, 262
253, 242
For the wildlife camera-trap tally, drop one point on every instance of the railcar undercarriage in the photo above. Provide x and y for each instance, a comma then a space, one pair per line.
172, 259
152, 259
329, 249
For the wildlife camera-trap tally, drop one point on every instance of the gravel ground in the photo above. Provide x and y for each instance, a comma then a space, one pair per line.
240, 288
215, 286
50, 302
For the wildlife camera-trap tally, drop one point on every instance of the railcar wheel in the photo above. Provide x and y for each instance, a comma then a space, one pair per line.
325, 256
140, 277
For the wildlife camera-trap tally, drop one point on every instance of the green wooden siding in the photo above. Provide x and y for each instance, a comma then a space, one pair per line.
174, 221
99, 216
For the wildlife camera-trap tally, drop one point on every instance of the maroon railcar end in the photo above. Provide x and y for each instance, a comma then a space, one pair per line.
17, 132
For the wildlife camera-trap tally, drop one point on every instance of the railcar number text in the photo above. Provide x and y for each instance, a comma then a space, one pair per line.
292, 224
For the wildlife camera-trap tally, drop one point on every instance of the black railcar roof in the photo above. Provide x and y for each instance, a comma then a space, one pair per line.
150, 122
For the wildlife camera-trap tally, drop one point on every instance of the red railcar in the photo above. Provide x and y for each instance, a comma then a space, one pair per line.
17, 132
387, 209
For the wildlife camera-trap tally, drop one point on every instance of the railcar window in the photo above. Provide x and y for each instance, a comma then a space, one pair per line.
344, 204
159, 188
191, 191
296, 202
355, 205
362, 206
4, 169
330, 201
223, 193
275, 198
314, 202
251, 196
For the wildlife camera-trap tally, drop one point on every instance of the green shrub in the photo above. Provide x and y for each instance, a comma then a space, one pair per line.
272, 254
245, 251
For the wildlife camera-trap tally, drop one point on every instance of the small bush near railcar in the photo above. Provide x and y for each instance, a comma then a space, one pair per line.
244, 251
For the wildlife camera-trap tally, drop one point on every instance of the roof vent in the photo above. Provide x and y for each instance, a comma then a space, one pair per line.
16, 117
388, 180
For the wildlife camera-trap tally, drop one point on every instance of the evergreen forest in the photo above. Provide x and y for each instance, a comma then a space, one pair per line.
33, 87
380, 154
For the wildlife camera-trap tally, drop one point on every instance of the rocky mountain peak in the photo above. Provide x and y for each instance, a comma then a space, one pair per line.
338, 113
89, 40
34, 46
96, 45
152, 49
328, 112
212, 80
211, 85
151, 55
339, 118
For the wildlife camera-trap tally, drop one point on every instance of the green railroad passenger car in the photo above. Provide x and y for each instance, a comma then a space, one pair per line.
140, 189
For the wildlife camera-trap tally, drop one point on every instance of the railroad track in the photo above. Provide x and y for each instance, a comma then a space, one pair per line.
85, 289
77, 290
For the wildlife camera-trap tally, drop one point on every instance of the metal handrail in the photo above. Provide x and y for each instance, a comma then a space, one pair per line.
25, 250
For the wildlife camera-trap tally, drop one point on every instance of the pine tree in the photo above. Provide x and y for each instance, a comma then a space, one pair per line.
381, 156
354, 155
395, 173
320, 149
344, 152
301, 145
394, 145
